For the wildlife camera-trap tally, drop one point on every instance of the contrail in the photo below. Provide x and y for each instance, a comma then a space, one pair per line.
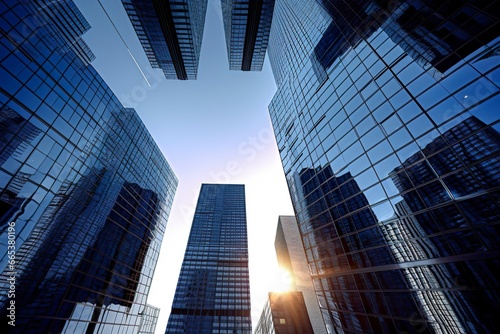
125, 43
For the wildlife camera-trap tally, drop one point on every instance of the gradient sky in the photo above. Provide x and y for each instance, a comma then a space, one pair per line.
213, 130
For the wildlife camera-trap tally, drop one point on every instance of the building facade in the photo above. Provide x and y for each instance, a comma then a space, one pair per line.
387, 127
85, 192
170, 33
291, 257
149, 319
247, 24
213, 290
285, 313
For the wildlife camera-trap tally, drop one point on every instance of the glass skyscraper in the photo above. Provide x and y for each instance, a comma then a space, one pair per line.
213, 290
387, 123
171, 33
247, 24
85, 192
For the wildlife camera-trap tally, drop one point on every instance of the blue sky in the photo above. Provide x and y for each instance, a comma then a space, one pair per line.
213, 130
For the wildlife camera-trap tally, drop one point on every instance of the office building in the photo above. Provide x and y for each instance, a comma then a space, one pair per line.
284, 313
213, 290
387, 127
170, 33
291, 257
247, 24
330, 254
85, 192
149, 320
52, 14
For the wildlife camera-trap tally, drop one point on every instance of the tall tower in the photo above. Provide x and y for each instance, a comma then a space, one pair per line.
85, 192
171, 33
284, 313
291, 256
247, 24
213, 290
387, 127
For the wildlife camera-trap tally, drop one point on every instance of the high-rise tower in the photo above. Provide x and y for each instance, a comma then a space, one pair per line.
284, 313
387, 124
171, 33
247, 24
291, 257
213, 290
85, 192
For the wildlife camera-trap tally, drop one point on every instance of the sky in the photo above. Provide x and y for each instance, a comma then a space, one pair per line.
212, 130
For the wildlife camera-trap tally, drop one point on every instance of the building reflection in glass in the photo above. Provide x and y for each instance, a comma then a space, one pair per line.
440, 249
430, 32
441, 34
342, 236
16, 135
409, 243
85, 260
445, 231
81, 178
387, 124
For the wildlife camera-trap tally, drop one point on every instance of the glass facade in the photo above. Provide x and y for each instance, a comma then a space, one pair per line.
247, 24
387, 123
213, 290
171, 33
284, 313
149, 319
69, 31
85, 192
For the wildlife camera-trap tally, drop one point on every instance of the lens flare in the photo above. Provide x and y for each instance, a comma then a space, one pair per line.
282, 281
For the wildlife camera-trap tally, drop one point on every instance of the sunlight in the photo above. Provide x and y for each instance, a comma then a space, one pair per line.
281, 281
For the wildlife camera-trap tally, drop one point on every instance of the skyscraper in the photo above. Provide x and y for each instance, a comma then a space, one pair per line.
284, 313
149, 318
247, 24
291, 256
213, 290
387, 126
85, 192
171, 33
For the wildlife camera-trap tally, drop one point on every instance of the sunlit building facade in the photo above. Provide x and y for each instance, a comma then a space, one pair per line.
149, 319
284, 313
247, 24
85, 192
387, 124
292, 258
213, 290
170, 33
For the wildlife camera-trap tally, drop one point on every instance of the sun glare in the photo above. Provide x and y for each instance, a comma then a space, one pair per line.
282, 281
